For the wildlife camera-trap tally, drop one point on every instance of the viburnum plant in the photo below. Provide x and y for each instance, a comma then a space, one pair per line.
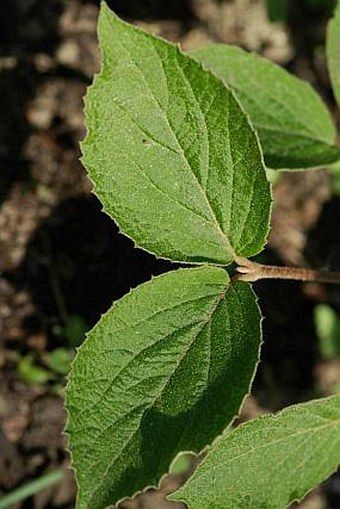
177, 147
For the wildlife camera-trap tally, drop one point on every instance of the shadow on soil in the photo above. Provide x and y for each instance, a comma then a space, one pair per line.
77, 263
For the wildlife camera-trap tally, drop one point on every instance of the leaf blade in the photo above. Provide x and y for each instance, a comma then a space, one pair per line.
172, 155
294, 126
333, 52
157, 376
269, 462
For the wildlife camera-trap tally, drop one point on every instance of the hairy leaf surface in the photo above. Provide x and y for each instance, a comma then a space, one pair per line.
165, 370
173, 157
333, 52
294, 125
269, 462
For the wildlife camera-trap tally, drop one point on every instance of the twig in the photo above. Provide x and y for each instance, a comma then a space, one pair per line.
252, 271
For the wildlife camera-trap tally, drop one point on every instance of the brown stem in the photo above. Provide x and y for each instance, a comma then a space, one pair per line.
252, 271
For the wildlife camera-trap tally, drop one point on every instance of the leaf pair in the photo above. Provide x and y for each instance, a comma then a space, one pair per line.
176, 162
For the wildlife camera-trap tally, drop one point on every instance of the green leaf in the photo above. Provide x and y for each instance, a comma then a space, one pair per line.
294, 126
334, 171
173, 157
165, 370
59, 360
333, 52
31, 373
269, 462
278, 10
327, 324
75, 330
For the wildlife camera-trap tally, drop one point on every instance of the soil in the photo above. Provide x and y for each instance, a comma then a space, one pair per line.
63, 261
